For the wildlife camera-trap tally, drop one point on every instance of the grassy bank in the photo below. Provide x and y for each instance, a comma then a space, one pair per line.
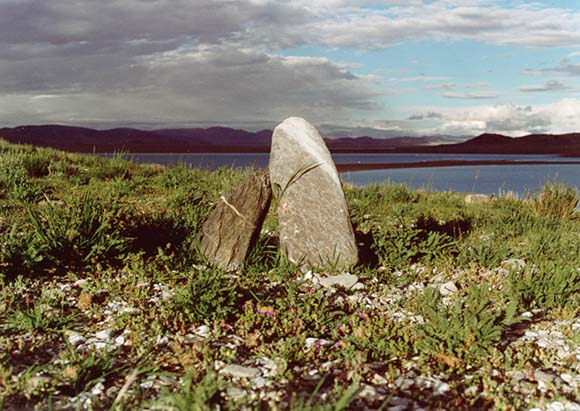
104, 304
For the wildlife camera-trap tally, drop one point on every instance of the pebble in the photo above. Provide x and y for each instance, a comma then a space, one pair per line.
240, 371
567, 378
82, 283
315, 342
448, 288
105, 334
368, 393
514, 264
236, 393
342, 280
269, 366
76, 339
203, 331
440, 388
555, 406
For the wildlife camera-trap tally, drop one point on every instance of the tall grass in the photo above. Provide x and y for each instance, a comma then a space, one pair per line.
555, 200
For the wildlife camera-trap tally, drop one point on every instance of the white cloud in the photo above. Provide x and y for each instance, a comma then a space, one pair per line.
416, 79
562, 116
526, 25
482, 95
444, 86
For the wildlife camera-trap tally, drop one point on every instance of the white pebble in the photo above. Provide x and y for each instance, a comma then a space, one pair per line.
555, 406
105, 334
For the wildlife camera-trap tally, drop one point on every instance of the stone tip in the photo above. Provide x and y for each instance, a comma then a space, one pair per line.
293, 122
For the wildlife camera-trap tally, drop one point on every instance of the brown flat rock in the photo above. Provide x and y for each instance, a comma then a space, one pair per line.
233, 226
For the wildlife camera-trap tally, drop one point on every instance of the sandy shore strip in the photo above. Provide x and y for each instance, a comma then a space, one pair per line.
446, 163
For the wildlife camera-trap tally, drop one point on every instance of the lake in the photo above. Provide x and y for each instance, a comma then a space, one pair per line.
490, 179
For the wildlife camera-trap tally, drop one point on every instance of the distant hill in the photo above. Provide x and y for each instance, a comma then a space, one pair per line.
213, 139
563, 144
224, 139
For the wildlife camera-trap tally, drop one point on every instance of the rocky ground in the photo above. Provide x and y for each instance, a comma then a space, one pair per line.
543, 371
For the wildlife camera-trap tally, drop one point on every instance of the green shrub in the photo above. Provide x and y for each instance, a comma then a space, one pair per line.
201, 395
407, 241
36, 164
208, 295
546, 286
76, 233
468, 330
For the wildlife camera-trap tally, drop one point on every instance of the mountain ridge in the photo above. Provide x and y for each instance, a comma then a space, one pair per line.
225, 139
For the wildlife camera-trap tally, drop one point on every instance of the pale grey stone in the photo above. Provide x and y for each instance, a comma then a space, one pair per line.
368, 393
240, 371
448, 288
514, 264
556, 406
234, 225
105, 334
76, 339
342, 280
476, 198
314, 223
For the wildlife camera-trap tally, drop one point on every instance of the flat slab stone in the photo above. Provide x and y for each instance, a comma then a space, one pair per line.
240, 371
234, 225
343, 280
313, 218
477, 198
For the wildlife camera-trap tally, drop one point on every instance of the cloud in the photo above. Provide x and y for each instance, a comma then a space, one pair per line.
432, 114
416, 79
562, 116
209, 83
429, 115
207, 60
550, 86
567, 68
444, 86
483, 95
479, 85
524, 25
564, 67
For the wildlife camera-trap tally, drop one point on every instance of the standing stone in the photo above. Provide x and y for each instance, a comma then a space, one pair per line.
313, 219
234, 225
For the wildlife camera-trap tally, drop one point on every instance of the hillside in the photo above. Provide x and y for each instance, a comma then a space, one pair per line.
225, 139
563, 144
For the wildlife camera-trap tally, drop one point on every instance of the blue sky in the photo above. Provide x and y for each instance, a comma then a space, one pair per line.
363, 67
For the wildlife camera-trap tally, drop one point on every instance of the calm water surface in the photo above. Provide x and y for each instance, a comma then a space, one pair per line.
481, 179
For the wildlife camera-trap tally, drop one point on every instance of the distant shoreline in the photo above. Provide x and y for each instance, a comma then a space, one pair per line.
446, 163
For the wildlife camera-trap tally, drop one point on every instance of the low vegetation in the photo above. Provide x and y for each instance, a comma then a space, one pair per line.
105, 303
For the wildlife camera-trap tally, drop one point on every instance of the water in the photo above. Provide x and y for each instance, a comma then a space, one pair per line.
495, 180
260, 160
519, 179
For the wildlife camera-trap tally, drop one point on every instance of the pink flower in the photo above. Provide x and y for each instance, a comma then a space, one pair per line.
266, 311
363, 316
